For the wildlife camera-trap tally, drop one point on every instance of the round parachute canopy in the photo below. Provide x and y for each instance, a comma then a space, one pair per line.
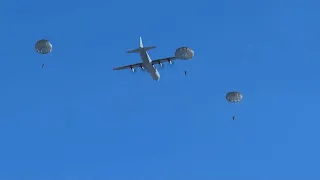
234, 97
43, 46
184, 53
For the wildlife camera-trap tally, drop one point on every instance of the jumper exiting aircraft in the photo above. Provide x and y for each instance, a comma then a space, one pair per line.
183, 53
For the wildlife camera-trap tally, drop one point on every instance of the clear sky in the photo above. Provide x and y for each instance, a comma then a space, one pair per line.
76, 119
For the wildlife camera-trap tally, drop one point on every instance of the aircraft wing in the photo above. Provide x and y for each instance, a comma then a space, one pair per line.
137, 65
163, 60
131, 66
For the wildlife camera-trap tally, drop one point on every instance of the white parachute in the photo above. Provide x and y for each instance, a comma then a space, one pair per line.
184, 53
234, 97
43, 46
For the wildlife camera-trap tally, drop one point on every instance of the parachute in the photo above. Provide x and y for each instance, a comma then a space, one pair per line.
234, 97
43, 46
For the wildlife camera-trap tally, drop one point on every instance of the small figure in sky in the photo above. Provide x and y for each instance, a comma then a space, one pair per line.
233, 117
185, 73
42, 66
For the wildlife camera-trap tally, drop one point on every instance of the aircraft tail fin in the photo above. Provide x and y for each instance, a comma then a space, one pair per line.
141, 48
141, 43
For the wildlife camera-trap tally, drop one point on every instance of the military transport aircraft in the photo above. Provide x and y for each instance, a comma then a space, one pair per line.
147, 63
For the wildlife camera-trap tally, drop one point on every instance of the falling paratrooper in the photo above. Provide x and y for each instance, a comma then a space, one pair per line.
184, 53
234, 97
43, 46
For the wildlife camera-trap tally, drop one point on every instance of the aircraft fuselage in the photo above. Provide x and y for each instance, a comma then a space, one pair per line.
147, 62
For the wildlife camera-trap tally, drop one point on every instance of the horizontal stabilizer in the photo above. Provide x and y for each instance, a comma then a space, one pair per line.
149, 48
138, 50
134, 50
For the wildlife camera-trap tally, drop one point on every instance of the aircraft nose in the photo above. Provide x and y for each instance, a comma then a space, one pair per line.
157, 78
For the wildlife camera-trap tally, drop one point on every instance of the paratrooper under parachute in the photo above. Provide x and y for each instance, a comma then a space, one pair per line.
234, 97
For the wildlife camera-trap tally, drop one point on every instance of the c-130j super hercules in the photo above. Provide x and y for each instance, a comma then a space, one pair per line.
183, 53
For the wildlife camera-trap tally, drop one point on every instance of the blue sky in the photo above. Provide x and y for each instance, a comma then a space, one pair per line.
79, 120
